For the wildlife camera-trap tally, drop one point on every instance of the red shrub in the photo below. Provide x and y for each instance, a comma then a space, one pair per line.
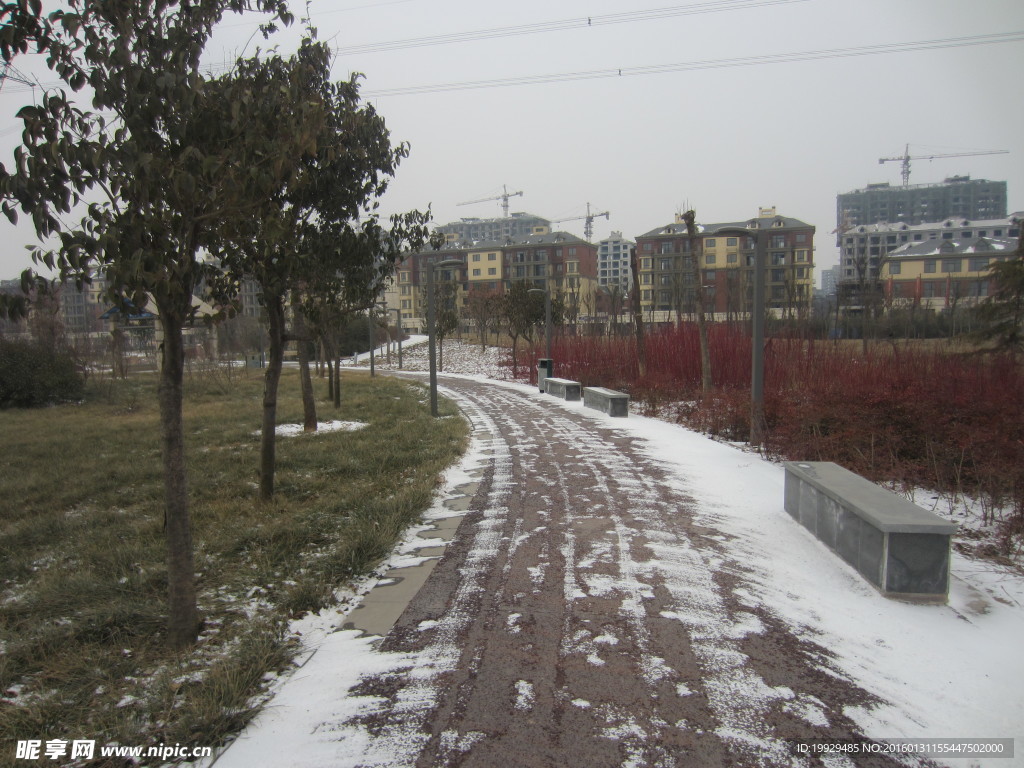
911, 416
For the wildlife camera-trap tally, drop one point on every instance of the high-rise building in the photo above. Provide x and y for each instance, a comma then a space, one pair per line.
517, 225
956, 197
613, 267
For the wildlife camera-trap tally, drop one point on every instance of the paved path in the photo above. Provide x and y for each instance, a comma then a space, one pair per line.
581, 617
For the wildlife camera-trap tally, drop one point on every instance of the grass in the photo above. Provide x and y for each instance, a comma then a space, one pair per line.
83, 583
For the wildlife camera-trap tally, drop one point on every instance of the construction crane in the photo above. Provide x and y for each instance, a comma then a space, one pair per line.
588, 228
504, 196
906, 158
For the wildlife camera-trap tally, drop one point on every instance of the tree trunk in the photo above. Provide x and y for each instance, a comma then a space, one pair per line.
183, 617
275, 361
306, 379
329, 366
337, 379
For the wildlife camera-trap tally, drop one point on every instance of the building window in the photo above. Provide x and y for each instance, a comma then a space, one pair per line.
667, 248
895, 268
778, 259
492, 270
732, 258
778, 275
476, 273
979, 264
403, 277
646, 263
951, 265
929, 267
801, 255
476, 257
492, 257
709, 258
709, 243
572, 251
778, 241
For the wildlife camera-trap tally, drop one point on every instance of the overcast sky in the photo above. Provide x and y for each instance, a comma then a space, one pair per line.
713, 133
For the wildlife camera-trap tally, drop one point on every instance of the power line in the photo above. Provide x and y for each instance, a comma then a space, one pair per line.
653, 14
690, 66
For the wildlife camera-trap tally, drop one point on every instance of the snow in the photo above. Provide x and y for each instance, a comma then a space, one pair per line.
293, 430
953, 671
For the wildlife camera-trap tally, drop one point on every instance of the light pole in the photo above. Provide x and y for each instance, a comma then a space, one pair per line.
550, 367
757, 333
431, 340
547, 317
398, 332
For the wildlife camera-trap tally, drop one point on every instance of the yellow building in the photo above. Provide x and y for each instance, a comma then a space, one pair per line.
937, 274
726, 256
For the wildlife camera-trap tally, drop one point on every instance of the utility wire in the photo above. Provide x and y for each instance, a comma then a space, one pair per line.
689, 66
653, 14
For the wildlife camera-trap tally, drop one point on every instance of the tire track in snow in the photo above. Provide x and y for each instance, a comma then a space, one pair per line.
578, 619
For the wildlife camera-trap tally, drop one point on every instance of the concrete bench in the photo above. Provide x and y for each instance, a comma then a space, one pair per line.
563, 388
608, 400
901, 549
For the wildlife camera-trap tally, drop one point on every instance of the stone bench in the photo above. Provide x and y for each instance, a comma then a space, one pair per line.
563, 388
608, 400
903, 550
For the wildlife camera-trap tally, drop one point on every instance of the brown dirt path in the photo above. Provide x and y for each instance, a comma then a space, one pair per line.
582, 618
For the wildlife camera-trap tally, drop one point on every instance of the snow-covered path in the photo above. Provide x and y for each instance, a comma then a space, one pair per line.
624, 592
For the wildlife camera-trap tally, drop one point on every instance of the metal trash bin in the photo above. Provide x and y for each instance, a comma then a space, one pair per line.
545, 370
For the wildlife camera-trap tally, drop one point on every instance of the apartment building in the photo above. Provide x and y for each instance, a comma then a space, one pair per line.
864, 249
613, 267
557, 261
956, 197
516, 225
725, 255
941, 273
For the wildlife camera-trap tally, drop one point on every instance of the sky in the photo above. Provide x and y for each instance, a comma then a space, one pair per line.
714, 132
929, 674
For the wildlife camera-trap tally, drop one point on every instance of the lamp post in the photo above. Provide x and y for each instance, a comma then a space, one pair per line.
431, 339
756, 332
547, 317
398, 332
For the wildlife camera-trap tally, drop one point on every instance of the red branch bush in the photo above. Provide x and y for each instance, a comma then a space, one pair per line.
909, 416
